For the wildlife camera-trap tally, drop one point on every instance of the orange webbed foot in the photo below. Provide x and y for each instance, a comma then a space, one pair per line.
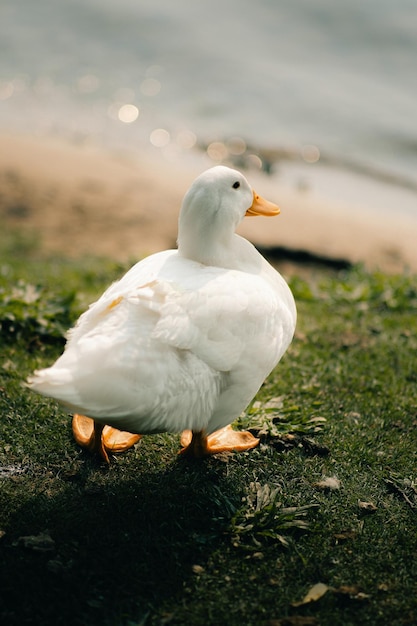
100, 439
199, 445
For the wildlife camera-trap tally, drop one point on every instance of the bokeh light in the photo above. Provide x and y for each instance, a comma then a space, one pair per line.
160, 137
186, 139
128, 113
254, 161
236, 146
310, 153
150, 87
217, 151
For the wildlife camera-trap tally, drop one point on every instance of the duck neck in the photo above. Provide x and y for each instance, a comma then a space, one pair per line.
207, 249
228, 252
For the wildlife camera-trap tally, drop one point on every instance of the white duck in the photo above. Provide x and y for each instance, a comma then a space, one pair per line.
185, 339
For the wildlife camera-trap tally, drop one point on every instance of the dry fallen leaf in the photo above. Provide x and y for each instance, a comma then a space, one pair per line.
367, 507
330, 483
274, 403
344, 535
316, 592
312, 447
39, 543
352, 592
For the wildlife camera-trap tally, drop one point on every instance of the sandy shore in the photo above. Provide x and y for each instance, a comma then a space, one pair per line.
77, 200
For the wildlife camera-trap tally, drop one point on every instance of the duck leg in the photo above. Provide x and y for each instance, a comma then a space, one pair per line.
199, 445
100, 439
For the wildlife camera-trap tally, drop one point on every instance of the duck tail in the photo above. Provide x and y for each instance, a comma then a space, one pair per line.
51, 382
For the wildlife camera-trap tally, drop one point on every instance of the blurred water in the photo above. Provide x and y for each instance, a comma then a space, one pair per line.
281, 74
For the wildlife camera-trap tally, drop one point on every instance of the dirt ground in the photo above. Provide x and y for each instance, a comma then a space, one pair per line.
75, 200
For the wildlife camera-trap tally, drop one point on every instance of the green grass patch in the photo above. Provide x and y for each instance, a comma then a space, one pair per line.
329, 496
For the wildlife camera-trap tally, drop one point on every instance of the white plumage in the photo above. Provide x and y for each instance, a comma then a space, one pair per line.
186, 338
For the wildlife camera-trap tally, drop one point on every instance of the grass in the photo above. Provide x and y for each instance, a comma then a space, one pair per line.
330, 495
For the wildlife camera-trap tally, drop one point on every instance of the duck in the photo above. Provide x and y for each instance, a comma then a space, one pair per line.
185, 339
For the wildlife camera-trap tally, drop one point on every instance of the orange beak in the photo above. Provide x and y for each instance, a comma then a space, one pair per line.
260, 206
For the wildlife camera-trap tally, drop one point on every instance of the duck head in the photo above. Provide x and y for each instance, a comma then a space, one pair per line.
211, 211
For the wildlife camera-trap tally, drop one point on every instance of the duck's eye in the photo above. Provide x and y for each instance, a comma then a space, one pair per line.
236, 185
